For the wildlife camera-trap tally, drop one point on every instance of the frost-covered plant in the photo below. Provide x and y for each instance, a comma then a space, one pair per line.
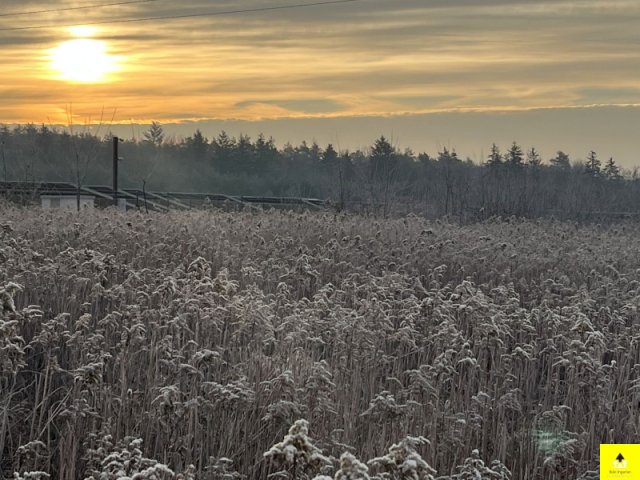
31, 456
129, 462
283, 406
12, 351
222, 469
384, 407
403, 462
7, 293
474, 468
501, 335
351, 468
296, 454
31, 476
319, 389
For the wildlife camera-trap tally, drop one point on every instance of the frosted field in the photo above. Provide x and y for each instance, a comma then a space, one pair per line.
186, 345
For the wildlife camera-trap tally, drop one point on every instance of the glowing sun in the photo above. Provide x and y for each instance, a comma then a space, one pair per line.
84, 60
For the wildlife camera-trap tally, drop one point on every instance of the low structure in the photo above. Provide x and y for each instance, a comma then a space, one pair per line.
63, 195
69, 202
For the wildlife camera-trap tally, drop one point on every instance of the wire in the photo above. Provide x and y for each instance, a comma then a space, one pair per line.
189, 15
95, 5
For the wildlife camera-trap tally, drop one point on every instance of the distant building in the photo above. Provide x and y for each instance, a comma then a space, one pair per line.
67, 202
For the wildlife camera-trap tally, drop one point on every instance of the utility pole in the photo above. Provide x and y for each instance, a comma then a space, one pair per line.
115, 171
4, 163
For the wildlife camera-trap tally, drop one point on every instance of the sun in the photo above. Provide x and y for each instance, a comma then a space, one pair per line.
83, 60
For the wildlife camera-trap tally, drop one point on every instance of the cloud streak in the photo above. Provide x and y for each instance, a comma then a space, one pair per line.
372, 57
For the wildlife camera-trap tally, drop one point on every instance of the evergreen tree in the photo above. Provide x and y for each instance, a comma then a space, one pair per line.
315, 152
266, 154
592, 167
515, 157
383, 174
303, 151
329, 157
560, 161
155, 134
495, 157
611, 171
448, 156
244, 154
382, 158
197, 145
223, 150
534, 159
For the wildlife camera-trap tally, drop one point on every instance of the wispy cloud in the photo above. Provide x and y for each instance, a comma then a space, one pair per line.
373, 57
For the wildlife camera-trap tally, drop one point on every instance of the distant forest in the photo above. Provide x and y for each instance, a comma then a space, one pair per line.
381, 179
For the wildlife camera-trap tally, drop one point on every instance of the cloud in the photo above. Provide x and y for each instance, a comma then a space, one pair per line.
312, 105
610, 95
367, 58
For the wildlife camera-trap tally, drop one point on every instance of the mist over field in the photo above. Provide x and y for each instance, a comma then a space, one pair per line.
379, 178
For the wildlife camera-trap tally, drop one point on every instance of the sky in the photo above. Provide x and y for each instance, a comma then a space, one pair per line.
427, 73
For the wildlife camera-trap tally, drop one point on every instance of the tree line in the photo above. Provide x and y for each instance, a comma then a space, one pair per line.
380, 179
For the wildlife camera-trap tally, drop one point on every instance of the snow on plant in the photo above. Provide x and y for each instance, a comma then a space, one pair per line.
384, 407
403, 462
320, 390
30, 458
296, 453
204, 333
38, 475
11, 343
128, 462
351, 468
474, 468
236, 394
222, 469
7, 293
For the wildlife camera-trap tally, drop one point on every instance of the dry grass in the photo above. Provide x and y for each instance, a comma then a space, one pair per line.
191, 342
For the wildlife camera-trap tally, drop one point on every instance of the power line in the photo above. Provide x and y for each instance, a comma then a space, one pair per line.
66, 9
189, 15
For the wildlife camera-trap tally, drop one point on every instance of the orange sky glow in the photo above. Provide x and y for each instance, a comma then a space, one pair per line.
368, 58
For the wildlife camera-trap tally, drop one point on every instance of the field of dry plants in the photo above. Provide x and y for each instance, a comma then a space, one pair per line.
187, 345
